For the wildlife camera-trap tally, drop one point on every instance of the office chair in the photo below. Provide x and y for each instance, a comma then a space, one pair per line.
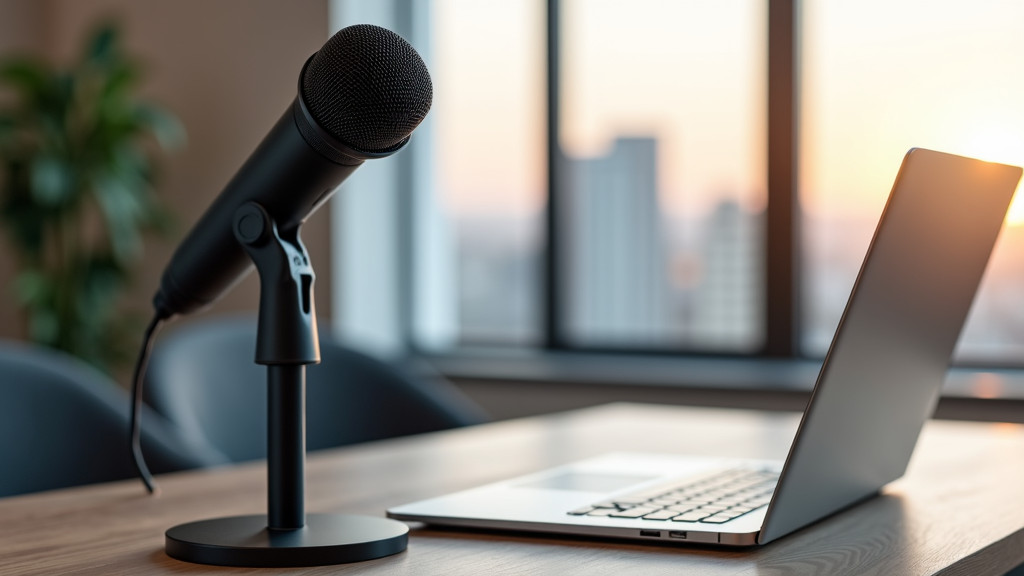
63, 423
203, 379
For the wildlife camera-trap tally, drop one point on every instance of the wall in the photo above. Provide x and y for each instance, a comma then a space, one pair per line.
228, 69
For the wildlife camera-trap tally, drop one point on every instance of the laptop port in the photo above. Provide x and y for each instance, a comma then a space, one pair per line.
681, 534
651, 533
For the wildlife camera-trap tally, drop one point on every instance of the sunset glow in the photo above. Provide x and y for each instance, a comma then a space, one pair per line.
997, 142
880, 77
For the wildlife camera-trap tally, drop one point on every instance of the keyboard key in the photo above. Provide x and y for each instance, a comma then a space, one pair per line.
737, 490
742, 510
692, 516
717, 519
730, 514
626, 501
632, 512
607, 504
661, 515
694, 502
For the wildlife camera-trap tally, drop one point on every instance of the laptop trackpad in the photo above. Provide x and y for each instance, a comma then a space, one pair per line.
586, 482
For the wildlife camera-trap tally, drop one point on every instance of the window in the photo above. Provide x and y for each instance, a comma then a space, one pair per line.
489, 108
880, 77
645, 175
662, 138
661, 154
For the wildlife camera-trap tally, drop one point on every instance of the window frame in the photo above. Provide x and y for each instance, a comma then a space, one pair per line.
392, 321
781, 326
383, 308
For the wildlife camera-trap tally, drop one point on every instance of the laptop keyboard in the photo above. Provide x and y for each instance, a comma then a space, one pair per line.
714, 498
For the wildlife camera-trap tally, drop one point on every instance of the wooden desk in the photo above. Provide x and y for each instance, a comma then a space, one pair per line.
959, 510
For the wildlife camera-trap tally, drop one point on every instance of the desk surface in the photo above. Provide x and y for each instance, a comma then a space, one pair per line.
959, 509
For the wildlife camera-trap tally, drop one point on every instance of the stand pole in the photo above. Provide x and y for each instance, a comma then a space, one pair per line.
285, 343
286, 447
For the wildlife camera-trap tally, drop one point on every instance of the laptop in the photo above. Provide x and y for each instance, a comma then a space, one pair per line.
879, 383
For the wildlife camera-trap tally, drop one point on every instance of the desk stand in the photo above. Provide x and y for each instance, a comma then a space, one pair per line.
286, 342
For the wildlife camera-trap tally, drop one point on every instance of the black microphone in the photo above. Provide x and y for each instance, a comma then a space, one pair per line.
360, 96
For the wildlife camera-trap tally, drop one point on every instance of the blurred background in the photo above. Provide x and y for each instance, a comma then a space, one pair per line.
226, 71
600, 183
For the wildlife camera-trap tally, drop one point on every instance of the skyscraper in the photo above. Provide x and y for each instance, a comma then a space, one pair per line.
617, 290
726, 304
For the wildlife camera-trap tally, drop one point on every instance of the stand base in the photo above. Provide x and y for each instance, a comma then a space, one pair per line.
326, 539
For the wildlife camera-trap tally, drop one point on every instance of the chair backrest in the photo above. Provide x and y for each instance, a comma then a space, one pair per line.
63, 423
203, 379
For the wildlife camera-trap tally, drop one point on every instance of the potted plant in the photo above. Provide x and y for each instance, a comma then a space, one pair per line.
77, 155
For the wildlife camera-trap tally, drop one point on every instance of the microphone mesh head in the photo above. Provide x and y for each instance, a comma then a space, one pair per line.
368, 88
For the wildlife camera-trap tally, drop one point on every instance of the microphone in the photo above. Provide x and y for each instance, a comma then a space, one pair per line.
359, 97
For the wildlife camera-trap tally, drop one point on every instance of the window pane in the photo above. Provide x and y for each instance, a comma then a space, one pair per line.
880, 77
663, 136
488, 72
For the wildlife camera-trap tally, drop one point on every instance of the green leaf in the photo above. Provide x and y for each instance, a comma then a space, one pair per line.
118, 82
30, 78
44, 326
72, 135
32, 288
52, 181
103, 44
65, 85
167, 129
7, 126
102, 278
22, 216
122, 212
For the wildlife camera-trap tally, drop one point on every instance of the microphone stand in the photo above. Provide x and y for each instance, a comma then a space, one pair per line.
286, 343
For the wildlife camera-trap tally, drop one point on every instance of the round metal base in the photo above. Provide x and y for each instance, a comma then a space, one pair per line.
326, 539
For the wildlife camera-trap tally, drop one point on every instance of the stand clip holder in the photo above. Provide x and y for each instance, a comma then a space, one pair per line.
286, 342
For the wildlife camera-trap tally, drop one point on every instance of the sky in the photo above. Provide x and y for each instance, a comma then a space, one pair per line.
878, 77
488, 74
687, 73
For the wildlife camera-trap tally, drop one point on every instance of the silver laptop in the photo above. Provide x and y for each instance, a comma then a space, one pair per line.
879, 383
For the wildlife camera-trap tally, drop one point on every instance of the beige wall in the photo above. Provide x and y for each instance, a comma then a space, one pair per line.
227, 68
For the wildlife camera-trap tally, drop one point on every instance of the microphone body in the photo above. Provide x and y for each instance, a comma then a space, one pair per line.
359, 97
286, 176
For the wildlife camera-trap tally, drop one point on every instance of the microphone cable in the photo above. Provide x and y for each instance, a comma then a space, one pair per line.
134, 425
